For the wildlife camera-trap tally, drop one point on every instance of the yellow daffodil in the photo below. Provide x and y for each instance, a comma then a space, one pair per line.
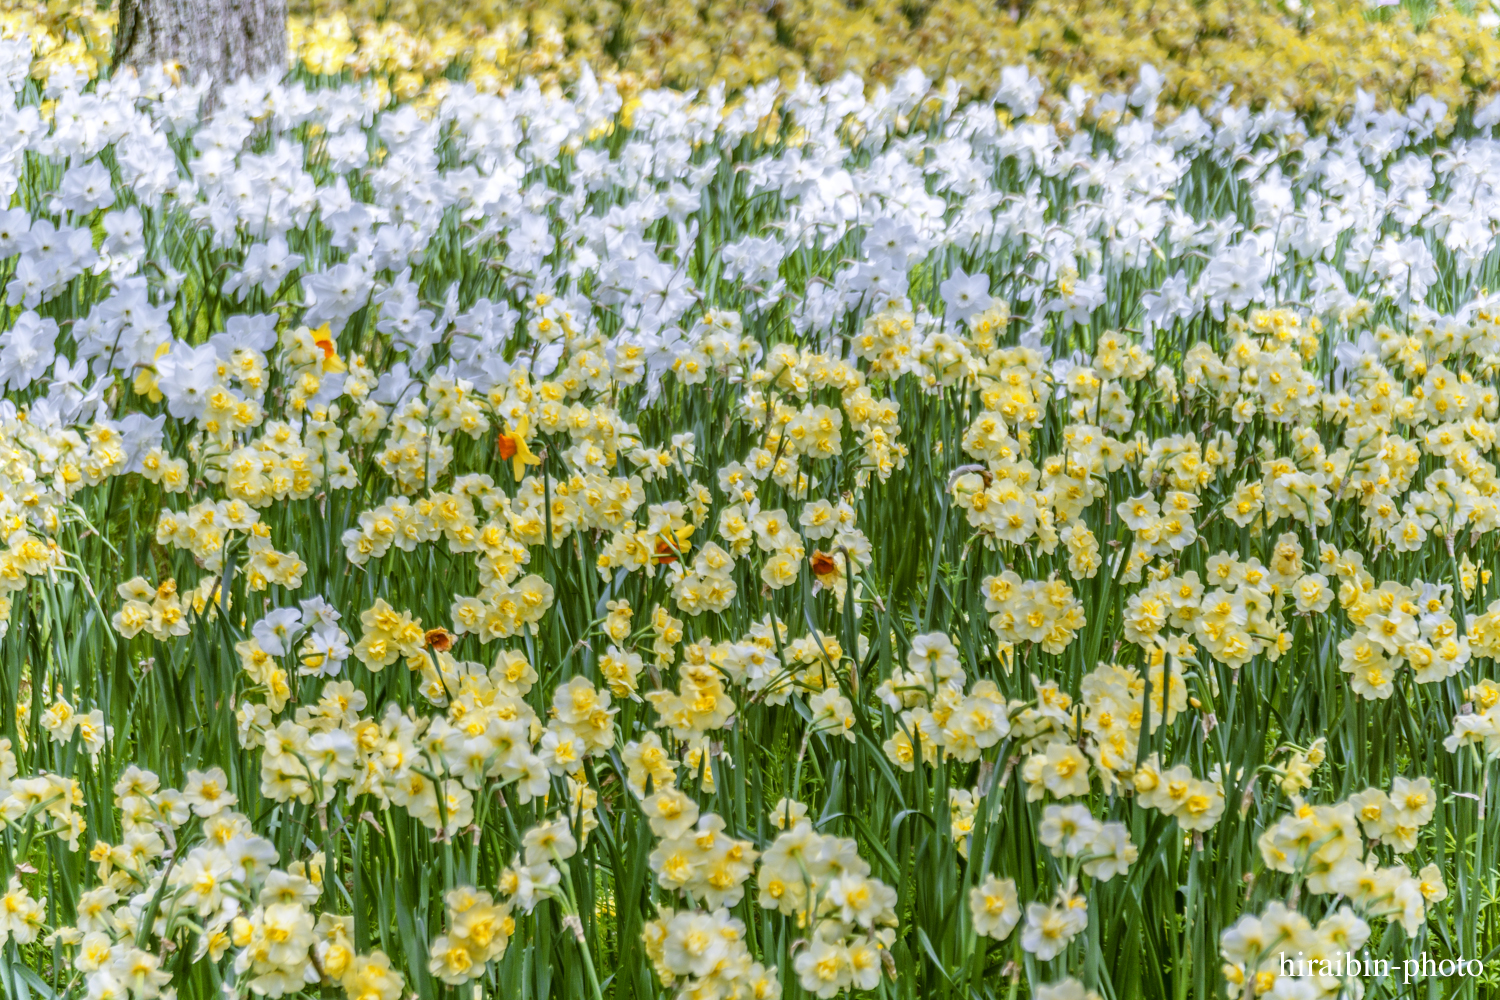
511, 446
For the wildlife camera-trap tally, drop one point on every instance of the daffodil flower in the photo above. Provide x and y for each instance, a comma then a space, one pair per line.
513, 448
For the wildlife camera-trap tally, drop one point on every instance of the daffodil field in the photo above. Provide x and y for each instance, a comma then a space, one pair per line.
530, 521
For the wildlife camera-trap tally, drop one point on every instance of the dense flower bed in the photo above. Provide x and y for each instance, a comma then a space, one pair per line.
843, 540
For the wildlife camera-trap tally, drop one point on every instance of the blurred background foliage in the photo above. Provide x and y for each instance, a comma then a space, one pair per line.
1308, 57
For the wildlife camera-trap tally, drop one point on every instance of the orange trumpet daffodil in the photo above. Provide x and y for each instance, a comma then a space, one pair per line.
512, 447
671, 545
323, 337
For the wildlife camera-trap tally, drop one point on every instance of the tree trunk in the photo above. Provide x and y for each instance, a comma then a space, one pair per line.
217, 40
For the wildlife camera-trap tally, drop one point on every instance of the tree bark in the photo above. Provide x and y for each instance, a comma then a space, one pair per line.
217, 40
